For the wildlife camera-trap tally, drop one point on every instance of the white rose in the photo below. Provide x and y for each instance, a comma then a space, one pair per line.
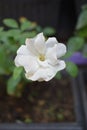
40, 58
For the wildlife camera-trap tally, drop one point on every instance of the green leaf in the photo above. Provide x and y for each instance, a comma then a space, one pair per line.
82, 32
11, 45
39, 29
75, 43
3, 60
82, 20
84, 51
17, 72
48, 31
15, 33
1, 29
58, 75
10, 23
12, 85
25, 35
72, 69
27, 25
3, 35
67, 55
32, 34
2, 71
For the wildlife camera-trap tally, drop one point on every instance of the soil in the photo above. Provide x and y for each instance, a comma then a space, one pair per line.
40, 102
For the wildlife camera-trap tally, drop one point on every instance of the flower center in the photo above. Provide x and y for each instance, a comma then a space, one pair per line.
42, 57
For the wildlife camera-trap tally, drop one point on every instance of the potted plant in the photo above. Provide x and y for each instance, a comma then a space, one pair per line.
31, 105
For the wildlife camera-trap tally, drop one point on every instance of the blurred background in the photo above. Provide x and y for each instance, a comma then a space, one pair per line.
60, 14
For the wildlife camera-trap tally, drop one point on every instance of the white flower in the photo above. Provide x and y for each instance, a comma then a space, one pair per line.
40, 58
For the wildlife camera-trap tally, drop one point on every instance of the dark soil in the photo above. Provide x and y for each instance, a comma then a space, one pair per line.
40, 102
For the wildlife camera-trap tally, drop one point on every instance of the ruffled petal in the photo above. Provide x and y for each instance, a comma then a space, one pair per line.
36, 45
61, 50
30, 45
28, 62
41, 75
51, 42
23, 50
51, 55
46, 74
40, 43
60, 66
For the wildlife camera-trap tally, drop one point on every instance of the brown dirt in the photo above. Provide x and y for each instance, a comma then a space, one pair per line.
40, 102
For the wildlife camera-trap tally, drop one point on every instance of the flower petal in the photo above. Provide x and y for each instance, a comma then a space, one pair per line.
37, 44
51, 55
23, 50
41, 75
30, 45
28, 62
60, 66
46, 74
61, 49
40, 43
51, 42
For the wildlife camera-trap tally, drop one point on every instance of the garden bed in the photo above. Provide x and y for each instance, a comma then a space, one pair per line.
40, 102
54, 105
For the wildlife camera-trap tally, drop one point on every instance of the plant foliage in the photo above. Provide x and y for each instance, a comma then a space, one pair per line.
12, 34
